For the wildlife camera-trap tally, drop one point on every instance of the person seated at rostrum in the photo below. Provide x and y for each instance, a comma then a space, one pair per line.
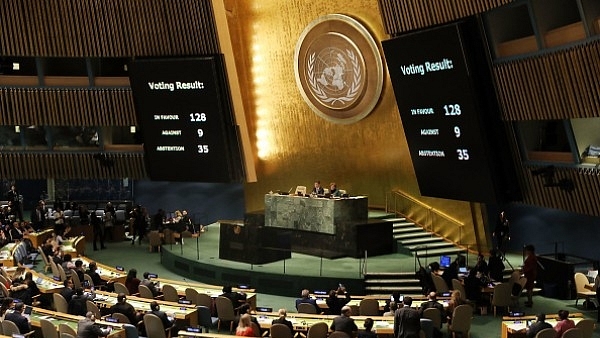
305, 298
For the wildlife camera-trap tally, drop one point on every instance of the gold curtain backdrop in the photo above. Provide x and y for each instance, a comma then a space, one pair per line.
292, 145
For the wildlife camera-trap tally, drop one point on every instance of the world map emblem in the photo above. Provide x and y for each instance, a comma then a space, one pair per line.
338, 68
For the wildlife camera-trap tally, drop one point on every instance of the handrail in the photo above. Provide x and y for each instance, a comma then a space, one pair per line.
424, 215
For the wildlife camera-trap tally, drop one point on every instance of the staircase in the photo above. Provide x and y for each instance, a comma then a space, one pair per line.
414, 240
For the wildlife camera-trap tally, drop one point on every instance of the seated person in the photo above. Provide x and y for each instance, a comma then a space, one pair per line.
392, 309
334, 191
17, 317
244, 327
155, 310
337, 300
125, 308
433, 303
564, 323
237, 299
79, 271
282, 320
96, 279
68, 264
87, 327
344, 323
317, 189
67, 292
538, 326
150, 284
367, 333
245, 309
78, 304
305, 298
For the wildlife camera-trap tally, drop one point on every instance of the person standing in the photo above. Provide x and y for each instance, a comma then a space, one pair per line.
530, 272
38, 217
98, 229
501, 233
407, 322
13, 196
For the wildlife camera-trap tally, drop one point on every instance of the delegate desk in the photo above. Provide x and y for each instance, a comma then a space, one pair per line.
355, 300
213, 291
107, 273
517, 327
62, 318
44, 283
182, 312
7, 254
75, 246
313, 214
38, 238
302, 322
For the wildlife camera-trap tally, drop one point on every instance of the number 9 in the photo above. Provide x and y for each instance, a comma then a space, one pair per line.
457, 131
200, 132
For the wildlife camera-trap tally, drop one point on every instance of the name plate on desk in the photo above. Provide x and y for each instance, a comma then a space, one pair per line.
320, 215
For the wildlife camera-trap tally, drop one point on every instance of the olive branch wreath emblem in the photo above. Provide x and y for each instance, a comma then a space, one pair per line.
352, 91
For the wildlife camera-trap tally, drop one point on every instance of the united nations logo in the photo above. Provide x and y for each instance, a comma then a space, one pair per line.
338, 68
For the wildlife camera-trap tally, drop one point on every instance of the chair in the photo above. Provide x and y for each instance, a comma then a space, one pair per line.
301, 189
89, 280
48, 329
439, 283
501, 296
170, 293
121, 288
4, 290
457, 285
92, 307
280, 331
338, 334
461, 320
573, 333
318, 330
121, 318
54, 268
145, 292
45, 259
255, 329
580, 285
79, 246
66, 329
61, 272
60, 303
587, 327
3, 280
225, 312
435, 315
368, 307
355, 310
9, 329
305, 308
427, 328
204, 300
546, 333
155, 240
155, 328
192, 295
515, 291
130, 331
204, 318
76, 281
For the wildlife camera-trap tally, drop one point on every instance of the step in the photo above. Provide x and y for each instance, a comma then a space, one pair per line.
398, 225
439, 252
391, 281
437, 245
388, 274
398, 219
412, 235
422, 240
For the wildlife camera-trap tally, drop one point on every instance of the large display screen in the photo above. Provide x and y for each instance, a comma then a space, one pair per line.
184, 112
444, 103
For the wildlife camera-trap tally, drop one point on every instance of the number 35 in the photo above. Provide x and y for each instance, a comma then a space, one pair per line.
203, 149
463, 154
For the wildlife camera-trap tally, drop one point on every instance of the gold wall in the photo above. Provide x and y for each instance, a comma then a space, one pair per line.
292, 145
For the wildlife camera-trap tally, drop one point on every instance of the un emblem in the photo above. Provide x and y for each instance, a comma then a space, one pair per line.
338, 68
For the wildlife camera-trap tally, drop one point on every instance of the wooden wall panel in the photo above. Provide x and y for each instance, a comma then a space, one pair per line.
559, 85
100, 28
69, 165
64, 107
406, 15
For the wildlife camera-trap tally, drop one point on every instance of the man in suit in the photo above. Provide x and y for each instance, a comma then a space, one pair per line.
155, 310
344, 323
305, 298
68, 292
432, 303
125, 308
407, 322
87, 327
538, 326
17, 317
318, 189
13, 196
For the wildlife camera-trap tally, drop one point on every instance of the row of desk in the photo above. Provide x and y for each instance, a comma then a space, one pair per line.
517, 327
57, 318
